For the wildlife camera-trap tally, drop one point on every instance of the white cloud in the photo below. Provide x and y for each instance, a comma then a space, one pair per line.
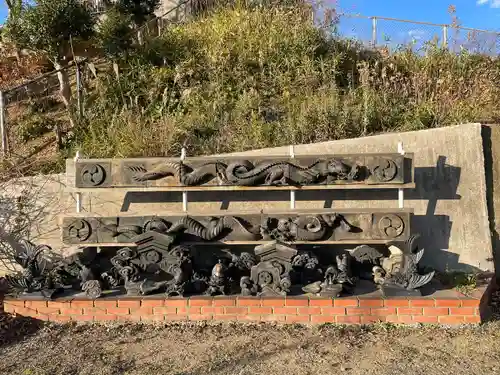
492, 3
417, 34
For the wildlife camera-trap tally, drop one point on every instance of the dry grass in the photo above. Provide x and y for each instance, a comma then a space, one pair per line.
251, 78
250, 349
14, 72
241, 78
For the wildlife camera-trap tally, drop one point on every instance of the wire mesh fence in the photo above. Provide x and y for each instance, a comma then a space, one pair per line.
35, 115
395, 33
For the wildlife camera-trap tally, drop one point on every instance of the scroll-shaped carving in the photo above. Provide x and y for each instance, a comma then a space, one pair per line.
303, 228
391, 226
35, 276
249, 172
312, 226
93, 174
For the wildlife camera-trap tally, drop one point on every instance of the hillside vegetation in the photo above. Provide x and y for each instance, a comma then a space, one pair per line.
243, 78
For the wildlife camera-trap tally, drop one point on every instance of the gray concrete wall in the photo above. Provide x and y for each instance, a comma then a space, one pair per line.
449, 200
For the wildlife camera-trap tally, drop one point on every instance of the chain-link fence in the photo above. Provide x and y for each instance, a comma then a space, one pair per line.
395, 33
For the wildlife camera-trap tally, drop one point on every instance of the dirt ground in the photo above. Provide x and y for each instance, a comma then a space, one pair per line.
29, 348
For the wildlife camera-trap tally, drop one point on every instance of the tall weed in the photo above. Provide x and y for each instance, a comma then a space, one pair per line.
244, 78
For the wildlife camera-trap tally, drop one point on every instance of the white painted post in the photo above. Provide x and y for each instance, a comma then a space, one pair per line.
184, 193
401, 192
374, 31
445, 36
292, 192
78, 195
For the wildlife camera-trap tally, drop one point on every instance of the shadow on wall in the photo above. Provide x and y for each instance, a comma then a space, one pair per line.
492, 176
432, 184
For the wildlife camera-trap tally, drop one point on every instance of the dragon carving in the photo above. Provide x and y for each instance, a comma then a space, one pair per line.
288, 229
245, 173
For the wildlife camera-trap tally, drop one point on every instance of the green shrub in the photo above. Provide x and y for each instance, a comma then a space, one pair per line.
114, 35
33, 126
43, 105
244, 78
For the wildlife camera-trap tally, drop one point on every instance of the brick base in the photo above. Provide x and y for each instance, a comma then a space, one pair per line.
446, 311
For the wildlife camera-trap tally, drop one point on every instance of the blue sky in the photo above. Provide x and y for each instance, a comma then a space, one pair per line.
483, 14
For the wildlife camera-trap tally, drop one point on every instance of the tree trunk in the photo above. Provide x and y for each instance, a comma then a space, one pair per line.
65, 91
11, 7
64, 86
140, 38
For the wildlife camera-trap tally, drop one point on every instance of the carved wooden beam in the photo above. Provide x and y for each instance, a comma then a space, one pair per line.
305, 226
252, 173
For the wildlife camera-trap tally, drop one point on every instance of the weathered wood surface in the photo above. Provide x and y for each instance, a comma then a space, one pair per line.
303, 226
356, 171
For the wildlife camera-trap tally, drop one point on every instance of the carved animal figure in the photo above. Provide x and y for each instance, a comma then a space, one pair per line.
245, 173
183, 173
217, 282
273, 173
336, 278
244, 261
303, 228
401, 269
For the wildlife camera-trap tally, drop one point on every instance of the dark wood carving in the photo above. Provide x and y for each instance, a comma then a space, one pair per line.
302, 171
93, 174
396, 274
160, 263
287, 227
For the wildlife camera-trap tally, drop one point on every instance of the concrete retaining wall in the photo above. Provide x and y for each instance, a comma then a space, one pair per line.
449, 200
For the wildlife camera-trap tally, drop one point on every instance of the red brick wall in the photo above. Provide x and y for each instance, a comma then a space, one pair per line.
287, 310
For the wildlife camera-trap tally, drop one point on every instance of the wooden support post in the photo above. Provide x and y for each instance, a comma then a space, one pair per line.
78, 195
401, 192
292, 192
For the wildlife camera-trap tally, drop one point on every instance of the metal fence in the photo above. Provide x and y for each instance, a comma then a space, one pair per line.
24, 106
33, 97
394, 33
373, 31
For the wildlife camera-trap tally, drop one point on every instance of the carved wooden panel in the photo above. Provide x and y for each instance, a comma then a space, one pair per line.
158, 263
319, 226
251, 172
